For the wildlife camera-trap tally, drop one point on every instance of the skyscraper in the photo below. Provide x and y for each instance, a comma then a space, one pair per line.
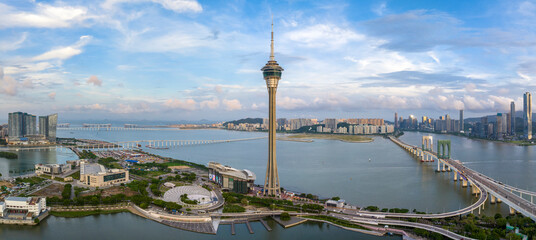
47, 126
52, 124
16, 125
499, 126
43, 125
508, 123
272, 74
527, 115
513, 118
396, 120
461, 121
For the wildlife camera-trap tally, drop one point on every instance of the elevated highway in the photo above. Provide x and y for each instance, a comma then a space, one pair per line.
498, 192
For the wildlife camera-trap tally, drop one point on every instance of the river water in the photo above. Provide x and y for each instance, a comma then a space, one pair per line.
378, 173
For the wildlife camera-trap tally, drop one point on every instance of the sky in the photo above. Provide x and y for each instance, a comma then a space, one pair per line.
190, 60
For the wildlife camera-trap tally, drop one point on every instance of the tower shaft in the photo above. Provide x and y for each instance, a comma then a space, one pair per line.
271, 183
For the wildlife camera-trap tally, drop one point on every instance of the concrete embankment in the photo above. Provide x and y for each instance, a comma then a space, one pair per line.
24, 222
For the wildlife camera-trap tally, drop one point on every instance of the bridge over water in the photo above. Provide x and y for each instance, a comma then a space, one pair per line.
126, 145
481, 184
119, 129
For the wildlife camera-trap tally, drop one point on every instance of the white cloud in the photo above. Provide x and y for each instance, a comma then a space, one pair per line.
188, 104
471, 103
13, 44
43, 16
527, 8
179, 6
8, 85
125, 67
63, 53
175, 38
52, 95
210, 104
232, 104
291, 103
323, 35
94, 80
470, 87
380, 9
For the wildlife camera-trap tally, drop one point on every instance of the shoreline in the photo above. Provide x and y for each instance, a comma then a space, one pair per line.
300, 137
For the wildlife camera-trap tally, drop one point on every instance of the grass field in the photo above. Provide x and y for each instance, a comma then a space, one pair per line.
341, 137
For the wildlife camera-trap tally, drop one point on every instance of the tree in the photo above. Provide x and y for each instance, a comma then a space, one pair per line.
144, 205
285, 216
36, 220
336, 198
244, 201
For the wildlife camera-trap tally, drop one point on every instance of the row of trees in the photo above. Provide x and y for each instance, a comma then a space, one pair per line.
88, 200
87, 155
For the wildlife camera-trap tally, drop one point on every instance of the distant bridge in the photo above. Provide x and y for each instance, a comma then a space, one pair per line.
118, 129
158, 144
153, 144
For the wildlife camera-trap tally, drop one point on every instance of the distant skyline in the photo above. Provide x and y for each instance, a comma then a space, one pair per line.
166, 60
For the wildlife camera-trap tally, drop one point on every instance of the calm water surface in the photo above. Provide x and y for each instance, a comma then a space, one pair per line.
130, 226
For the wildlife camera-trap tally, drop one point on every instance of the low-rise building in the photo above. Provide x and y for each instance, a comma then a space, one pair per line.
231, 179
22, 207
52, 168
96, 175
332, 203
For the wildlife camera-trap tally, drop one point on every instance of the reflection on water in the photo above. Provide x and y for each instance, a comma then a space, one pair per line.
27, 160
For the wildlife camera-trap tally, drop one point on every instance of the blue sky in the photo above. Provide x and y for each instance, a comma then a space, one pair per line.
191, 60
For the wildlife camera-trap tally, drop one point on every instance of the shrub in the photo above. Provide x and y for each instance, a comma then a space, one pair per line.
231, 208
285, 216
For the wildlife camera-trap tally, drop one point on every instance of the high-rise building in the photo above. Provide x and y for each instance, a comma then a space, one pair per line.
15, 125
527, 115
52, 124
21, 124
396, 120
31, 128
272, 74
508, 123
513, 118
484, 127
501, 125
330, 123
461, 121
47, 126
448, 124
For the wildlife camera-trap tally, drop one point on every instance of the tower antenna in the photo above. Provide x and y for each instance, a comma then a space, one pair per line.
272, 58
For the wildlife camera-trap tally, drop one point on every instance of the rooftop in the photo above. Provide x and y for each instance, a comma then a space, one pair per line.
92, 168
226, 170
17, 199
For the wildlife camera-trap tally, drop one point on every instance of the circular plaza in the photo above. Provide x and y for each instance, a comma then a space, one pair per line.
184, 194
